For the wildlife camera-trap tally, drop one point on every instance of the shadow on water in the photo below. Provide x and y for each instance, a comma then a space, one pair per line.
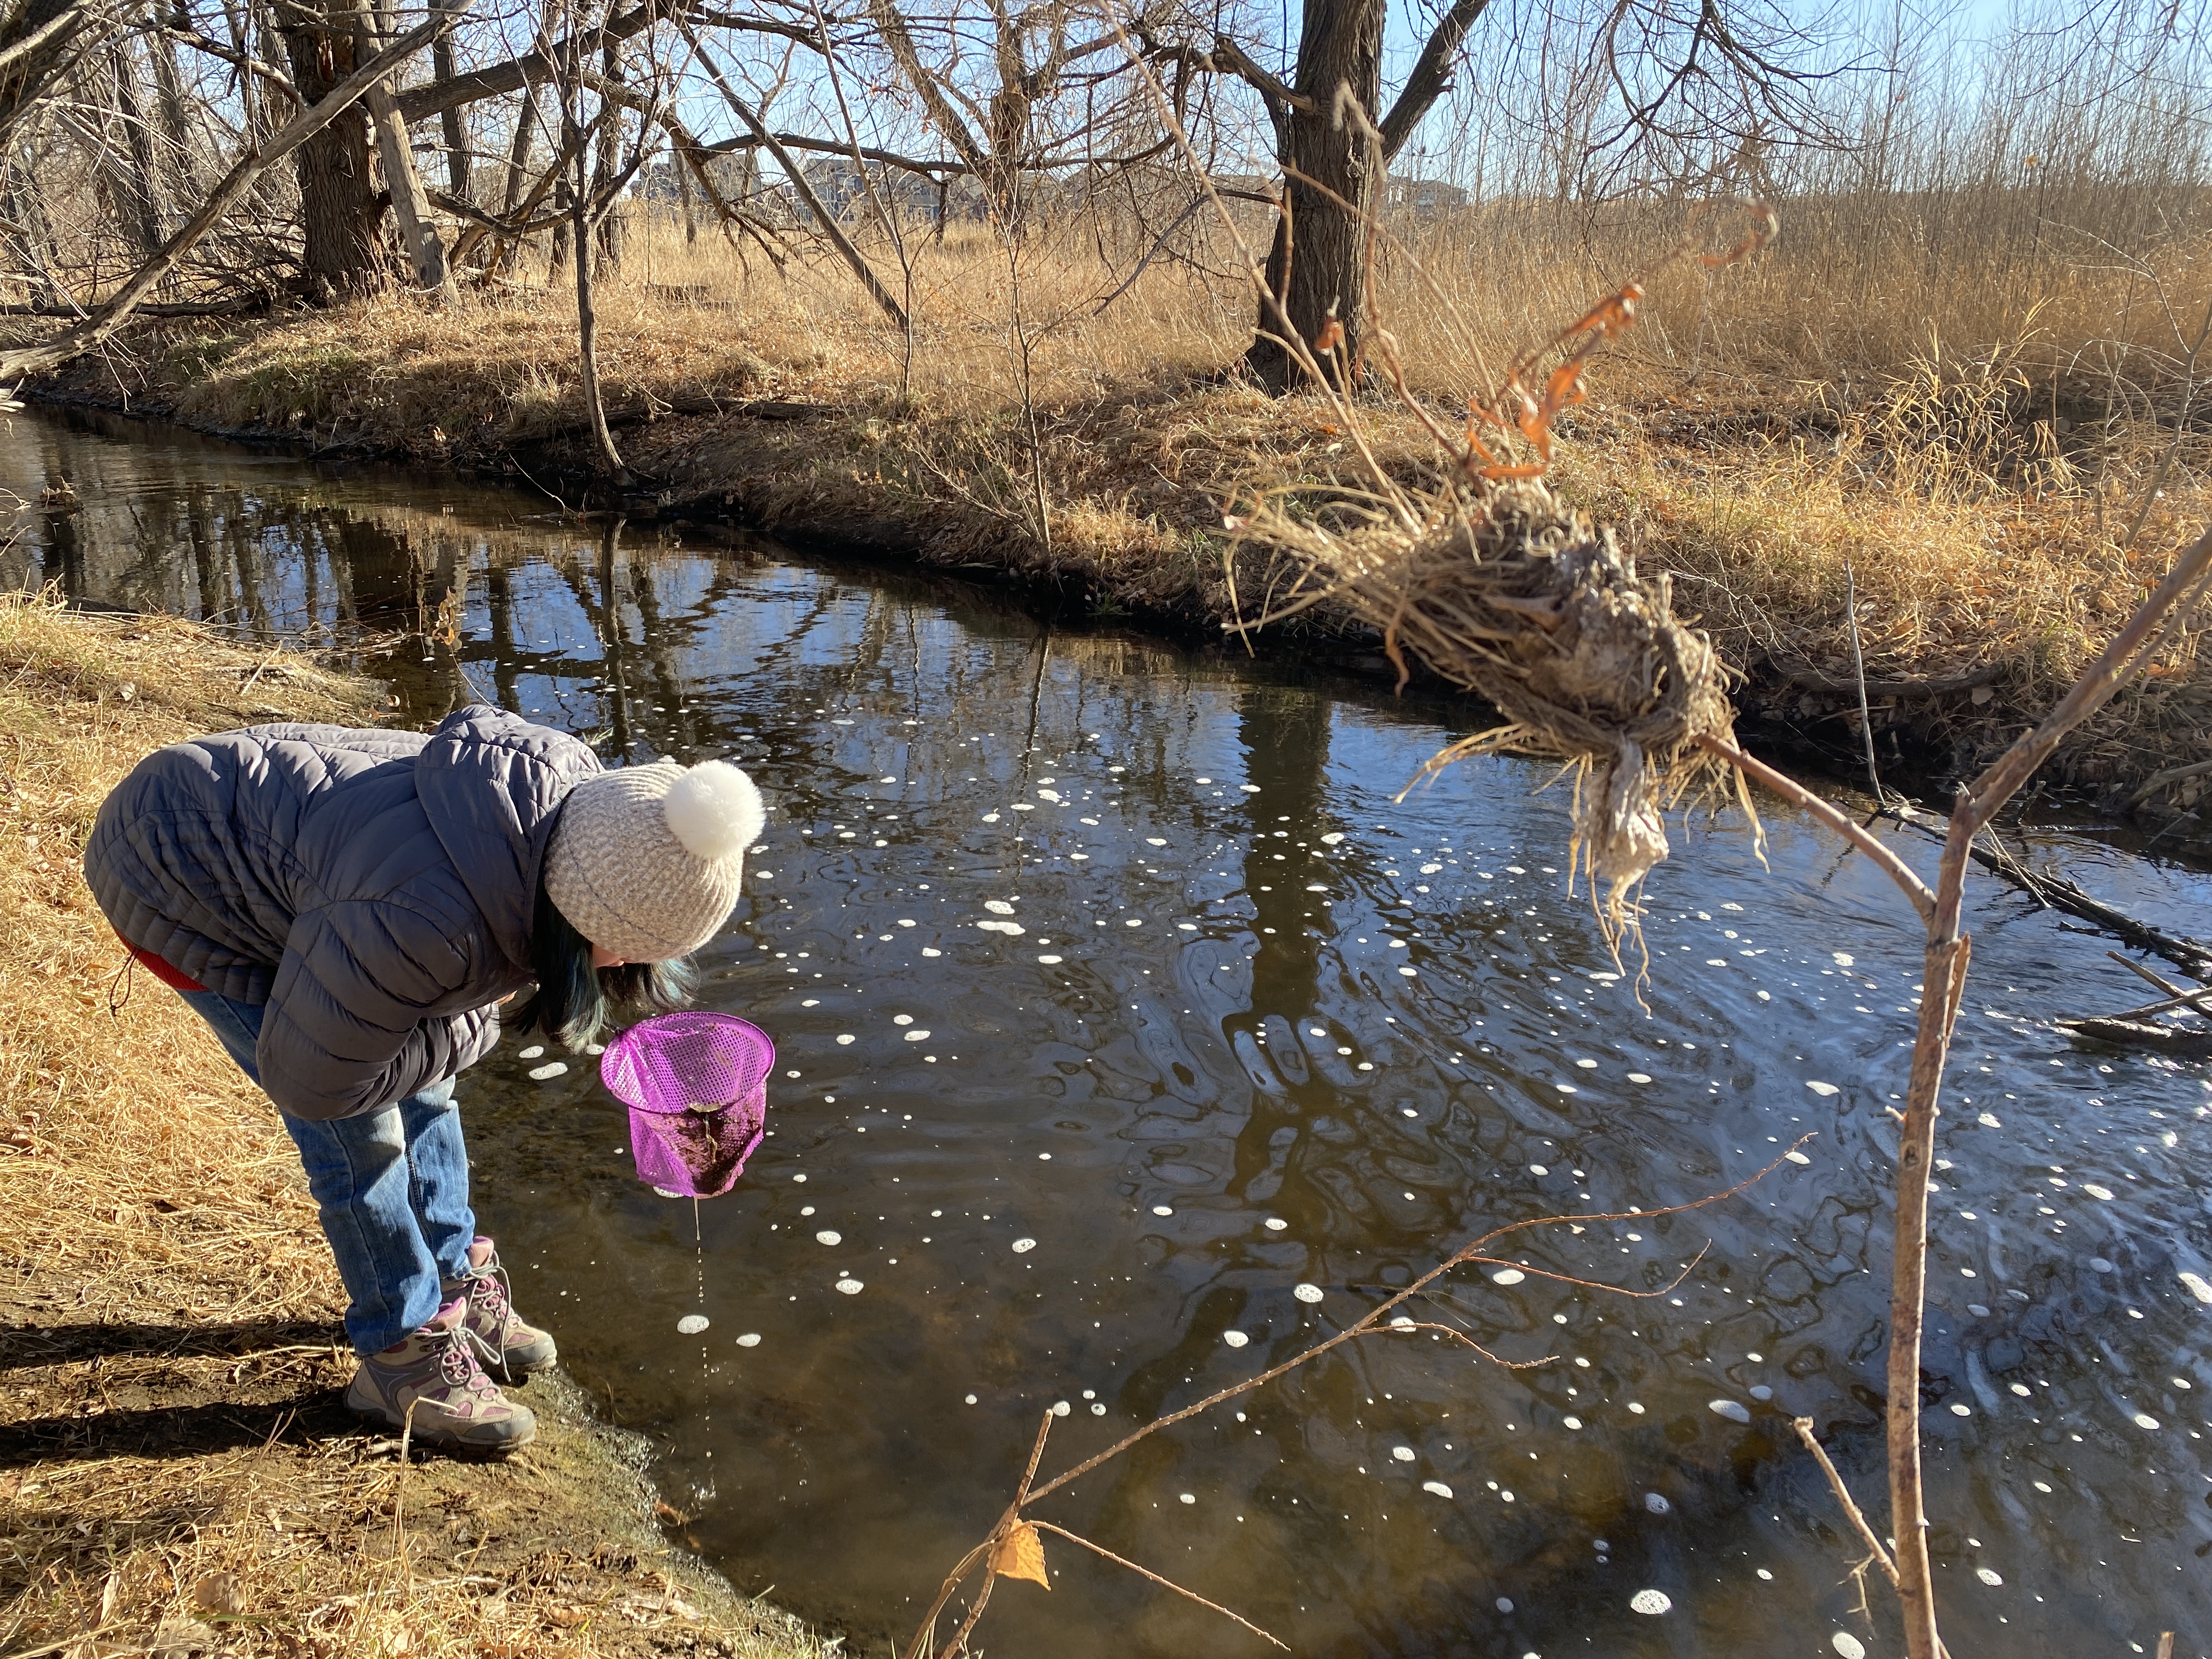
1117, 1000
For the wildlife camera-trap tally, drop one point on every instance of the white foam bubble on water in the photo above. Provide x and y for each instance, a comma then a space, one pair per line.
1639, 1076
1060, 1409
1508, 1276
1275, 1224
917, 1035
1187, 1497
844, 1037
691, 1324
1437, 1487
999, 907
1162, 1209
2197, 1287
1235, 1339
531, 1052
1307, 1292
1651, 1601
851, 1286
1823, 1090
1988, 1577
2095, 1191
927, 952
1847, 1645
1154, 840
1845, 959
1989, 1120
2144, 1420
1538, 1168
750, 1340
1052, 795
798, 1177
988, 818
1010, 929
551, 1069
1797, 1156
1573, 1422
1024, 1246
1958, 1410
1734, 1410
1333, 838
1652, 1500
827, 1237
1403, 1454
1051, 961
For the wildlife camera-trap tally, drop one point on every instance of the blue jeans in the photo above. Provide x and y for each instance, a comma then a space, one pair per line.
392, 1186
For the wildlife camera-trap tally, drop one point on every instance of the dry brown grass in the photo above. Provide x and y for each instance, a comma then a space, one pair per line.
174, 1474
1970, 415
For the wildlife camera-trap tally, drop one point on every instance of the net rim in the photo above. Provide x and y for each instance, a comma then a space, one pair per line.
624, 1058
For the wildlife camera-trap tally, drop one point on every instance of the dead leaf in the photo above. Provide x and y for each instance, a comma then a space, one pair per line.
108, 1594
1020, 1555
218, 1594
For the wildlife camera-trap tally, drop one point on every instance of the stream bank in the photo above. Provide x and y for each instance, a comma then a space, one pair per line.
1767, 508
177, 1474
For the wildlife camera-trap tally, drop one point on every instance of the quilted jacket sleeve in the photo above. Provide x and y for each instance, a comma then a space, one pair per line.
361, 1013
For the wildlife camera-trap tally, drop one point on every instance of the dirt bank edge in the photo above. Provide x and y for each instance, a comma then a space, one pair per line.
176, 1469
1137, 481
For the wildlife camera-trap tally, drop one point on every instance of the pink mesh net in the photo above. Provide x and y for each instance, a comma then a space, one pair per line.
697, 1087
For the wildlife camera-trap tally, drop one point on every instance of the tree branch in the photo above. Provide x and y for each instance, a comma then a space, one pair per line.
111, 315
1431, 75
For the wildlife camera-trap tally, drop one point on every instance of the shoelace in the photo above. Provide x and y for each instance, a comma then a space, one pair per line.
456, 1361
488, 1290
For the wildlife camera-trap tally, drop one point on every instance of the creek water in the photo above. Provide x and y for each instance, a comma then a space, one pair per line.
1133, 1037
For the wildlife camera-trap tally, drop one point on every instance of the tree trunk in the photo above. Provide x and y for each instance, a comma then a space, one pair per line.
141, 182
425, 253
1332, 178
338, 208
30, 232
608, 163
454, 125
418, 234
176, 120
518, 152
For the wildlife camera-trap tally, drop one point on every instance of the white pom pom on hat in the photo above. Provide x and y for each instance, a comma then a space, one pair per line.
645, 861
714, 810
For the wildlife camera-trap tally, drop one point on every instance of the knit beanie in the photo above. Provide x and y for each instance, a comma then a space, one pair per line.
645, 860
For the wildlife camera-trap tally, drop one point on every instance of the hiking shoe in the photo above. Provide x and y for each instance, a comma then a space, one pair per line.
434, 1372
506, 1345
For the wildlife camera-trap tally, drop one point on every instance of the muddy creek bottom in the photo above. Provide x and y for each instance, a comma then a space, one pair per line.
1133, 1038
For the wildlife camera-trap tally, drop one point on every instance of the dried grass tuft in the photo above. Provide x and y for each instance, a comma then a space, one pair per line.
1529, 604
174, 1475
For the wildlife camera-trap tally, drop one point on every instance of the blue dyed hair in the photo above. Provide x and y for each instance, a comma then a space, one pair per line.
574, 1003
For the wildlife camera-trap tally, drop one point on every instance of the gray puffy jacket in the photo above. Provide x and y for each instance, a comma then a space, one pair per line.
374, 889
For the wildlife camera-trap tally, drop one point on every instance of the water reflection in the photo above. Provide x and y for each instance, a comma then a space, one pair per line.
1263, 1026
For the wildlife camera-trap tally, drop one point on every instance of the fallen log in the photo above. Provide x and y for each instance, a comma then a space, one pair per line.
2184, 1042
